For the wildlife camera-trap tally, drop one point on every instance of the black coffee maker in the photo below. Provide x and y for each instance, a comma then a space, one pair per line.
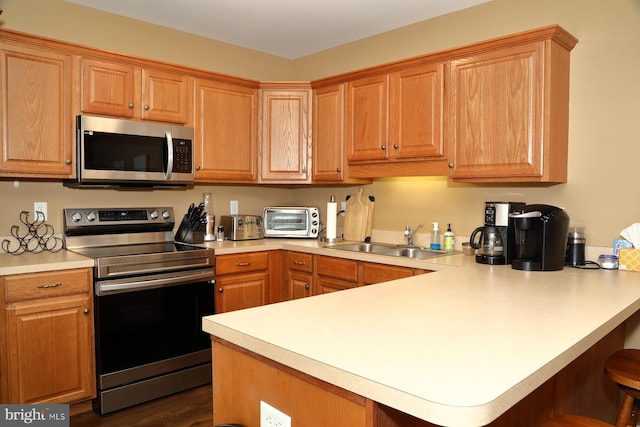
541, 238
495, 240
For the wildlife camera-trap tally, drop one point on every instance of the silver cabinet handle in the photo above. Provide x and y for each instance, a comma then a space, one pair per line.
299, 263
395, 146
306, 286
131, 105
383, 147
67, 162
146, 107
220, 290
451, 165
243, 264
85, 311
338, 170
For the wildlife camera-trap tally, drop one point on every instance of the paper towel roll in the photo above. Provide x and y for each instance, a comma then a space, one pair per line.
332, 215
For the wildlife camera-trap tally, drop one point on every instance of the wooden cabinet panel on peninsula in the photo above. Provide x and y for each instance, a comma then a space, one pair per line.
36, 125
130, 91
509, 110
226, 132
46, 339
285, 133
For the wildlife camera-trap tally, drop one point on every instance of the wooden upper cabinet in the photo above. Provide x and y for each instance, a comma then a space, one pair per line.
125, 90
509, 114
367, 118
37, 126
285, 140
107, 88
226, 132
328, 134
416, 97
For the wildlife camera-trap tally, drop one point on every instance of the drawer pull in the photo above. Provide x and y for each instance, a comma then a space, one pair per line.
85, 311
51, 285
299, 262
306, 286
220, 290
243, 264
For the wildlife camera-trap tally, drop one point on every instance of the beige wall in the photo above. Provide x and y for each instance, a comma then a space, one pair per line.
604, 110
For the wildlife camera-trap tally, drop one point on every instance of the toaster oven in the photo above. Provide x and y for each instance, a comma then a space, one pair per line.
296, 222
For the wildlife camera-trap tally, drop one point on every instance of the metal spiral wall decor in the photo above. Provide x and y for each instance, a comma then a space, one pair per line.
38, 236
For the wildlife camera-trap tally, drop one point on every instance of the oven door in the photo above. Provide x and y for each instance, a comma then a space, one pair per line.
151, 325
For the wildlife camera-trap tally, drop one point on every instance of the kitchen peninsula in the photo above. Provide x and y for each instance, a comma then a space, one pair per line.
465, 346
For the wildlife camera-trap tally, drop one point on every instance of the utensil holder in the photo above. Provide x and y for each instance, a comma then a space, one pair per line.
187, 234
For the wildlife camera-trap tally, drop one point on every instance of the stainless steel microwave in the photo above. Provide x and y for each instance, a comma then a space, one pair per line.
127, 153
298, 221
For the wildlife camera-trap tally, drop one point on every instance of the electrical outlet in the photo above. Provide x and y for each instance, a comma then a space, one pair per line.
39, 207
271, 417
343, 207
233, 207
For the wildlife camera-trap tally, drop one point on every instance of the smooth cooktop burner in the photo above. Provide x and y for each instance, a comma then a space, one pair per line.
141, 249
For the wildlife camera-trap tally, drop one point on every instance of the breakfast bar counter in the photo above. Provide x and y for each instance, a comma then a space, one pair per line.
457, 347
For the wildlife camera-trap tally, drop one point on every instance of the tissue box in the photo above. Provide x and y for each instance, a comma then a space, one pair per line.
629, 259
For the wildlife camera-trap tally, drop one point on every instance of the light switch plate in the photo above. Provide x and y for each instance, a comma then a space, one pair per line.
233, 207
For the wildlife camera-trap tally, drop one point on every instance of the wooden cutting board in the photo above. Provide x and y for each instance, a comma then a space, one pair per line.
358, 219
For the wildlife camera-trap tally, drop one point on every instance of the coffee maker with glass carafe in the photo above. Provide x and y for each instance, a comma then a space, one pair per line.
495, 241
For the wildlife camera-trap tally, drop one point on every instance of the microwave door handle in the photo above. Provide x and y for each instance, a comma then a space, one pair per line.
169, 142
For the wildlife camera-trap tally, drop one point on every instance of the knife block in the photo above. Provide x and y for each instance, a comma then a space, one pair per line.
187, 234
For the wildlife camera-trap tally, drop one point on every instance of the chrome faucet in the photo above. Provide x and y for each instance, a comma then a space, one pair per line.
408, 234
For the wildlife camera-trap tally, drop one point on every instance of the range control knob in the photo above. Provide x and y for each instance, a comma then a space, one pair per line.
154, 214
91, 216
166, 214
77, 216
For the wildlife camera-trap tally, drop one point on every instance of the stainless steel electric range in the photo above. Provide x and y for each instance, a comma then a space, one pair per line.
150, 296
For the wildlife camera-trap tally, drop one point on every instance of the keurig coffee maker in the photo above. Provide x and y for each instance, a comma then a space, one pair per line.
496, 239
541, 238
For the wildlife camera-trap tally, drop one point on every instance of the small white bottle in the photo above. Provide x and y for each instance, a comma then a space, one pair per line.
448, 239
435, 238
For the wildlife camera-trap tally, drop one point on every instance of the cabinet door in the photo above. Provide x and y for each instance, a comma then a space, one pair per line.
164, 96
416, 112
238, 291
107, 88
367, 118
496, 113
328, 134
226, 132
36, 127
50, 351
285, 143
300, 285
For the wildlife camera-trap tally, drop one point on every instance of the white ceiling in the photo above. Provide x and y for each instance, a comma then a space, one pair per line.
286, 28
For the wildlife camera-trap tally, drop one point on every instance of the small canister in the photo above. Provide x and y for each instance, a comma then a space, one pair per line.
220, 236
575, 247
608, 262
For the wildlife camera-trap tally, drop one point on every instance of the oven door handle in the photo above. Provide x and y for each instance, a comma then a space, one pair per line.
131, 284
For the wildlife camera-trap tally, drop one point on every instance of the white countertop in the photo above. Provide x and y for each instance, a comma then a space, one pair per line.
43, 261
457, 347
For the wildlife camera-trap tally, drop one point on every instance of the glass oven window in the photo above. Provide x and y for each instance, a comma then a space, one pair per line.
136, 328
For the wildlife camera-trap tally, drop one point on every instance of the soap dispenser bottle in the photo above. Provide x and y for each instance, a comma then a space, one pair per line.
435, 238
448, 240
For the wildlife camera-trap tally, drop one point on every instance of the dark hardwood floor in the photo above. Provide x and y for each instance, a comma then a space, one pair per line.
191, 408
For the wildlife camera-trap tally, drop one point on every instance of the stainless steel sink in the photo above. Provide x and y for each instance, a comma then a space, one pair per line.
365, 247
391, 250
412, 252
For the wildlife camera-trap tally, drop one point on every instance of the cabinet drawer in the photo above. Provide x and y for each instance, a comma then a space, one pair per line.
241, 263
344, 269
300, 261
378, 273
22, 287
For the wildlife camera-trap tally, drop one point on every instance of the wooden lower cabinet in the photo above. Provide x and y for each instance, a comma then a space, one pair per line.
241, 281
299, 275
47, 337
